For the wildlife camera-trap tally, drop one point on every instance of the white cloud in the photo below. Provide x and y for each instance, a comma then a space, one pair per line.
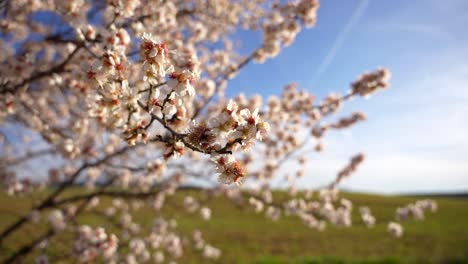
416, 138
409, 173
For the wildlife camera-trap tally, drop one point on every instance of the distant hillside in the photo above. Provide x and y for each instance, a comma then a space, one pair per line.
246, 237
462, 195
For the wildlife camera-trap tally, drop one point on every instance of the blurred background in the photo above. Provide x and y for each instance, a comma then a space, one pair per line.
415, 138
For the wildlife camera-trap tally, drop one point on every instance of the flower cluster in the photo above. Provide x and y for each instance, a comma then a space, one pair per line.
349, 121
163, 238
211, 252
207, 251
230, 169
366, 216
339, 215
138, 251
123, 8
395, 229
156, 168
355, 161
205, 213
281, 26
182, 82
156, 59
415, 210
235, 125
190, 204
92, 243
256, 204
328, 208
57, 220
368, 83
272, 212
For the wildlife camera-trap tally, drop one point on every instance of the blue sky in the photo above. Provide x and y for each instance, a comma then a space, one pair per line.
416, 135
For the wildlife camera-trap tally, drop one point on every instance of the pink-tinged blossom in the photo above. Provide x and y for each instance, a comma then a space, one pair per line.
205, 213
367, 218
182, 83
273, 213
177, 150
158, 257
211, 252
86, 33
156, 59
190, 204
368, 83
124, 8
93, 243
395, 229
113, 64
57, 220
256, 204
230, 170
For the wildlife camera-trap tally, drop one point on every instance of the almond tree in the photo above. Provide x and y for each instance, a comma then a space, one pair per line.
128, 98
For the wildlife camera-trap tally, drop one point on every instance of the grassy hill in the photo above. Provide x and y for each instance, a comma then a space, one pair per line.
246, 237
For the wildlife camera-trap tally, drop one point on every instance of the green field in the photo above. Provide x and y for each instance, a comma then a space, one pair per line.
246, 237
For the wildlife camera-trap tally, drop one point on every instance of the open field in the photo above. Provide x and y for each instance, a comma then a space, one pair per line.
246, 237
